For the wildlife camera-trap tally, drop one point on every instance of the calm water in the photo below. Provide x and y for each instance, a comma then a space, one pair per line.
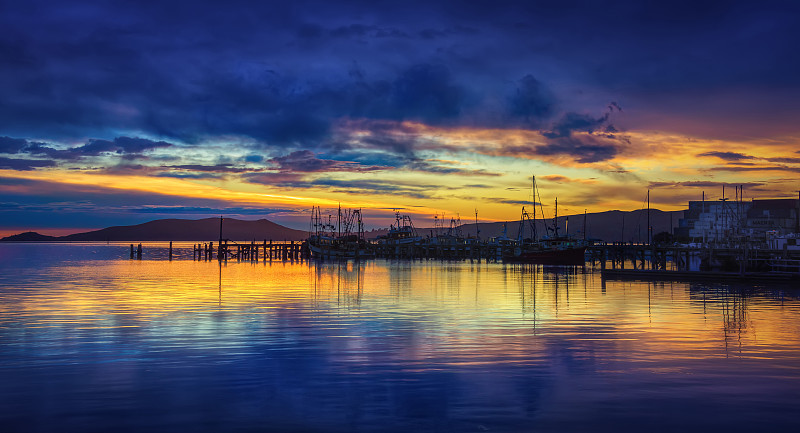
93, 341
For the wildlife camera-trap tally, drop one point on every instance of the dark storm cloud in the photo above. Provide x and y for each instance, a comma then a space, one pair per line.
174, 71
281, 72
428, 93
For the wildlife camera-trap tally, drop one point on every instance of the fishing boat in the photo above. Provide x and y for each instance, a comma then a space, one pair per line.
402, 232
549, 249
344, 240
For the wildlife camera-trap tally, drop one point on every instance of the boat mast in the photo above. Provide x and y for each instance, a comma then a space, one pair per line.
555, 219
584, 224
533, 200
220, 230
477, 229
648, 217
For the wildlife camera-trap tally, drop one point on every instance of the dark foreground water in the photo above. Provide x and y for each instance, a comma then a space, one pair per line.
92, 341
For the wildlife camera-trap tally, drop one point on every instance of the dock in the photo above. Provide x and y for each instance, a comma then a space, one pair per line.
649, 275
252, 251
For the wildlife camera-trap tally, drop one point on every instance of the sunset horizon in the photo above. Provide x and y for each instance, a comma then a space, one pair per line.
114, 114
399, 216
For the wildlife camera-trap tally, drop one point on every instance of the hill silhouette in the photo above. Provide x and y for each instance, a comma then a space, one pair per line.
206, 229
29, 237
609, 226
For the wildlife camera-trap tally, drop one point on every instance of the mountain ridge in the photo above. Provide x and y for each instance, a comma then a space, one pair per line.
610, 226
174, 229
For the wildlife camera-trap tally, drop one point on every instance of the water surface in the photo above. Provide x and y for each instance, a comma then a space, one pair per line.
93, 341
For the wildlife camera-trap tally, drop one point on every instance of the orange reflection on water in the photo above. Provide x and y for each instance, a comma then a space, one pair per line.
461, 313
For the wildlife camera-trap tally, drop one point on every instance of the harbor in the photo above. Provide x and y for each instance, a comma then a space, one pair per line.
726, 240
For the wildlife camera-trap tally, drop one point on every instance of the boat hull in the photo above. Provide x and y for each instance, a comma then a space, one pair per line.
337, 253
566, 256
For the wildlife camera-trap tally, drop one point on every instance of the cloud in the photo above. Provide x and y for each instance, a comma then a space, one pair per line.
532, 101
428, 93
197, 210
514, 202
555, 178
94, 147
32, 203
581, 149
24, 164
379, 187
305, 161
425, 166
702, 184
279, 74
361, 31
12, 145
728, 156
781, 168
584, 150
575, 122
191, 175
784, 160
278, 179
217, 168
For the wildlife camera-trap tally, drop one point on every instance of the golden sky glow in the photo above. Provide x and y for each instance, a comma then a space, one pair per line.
460, 170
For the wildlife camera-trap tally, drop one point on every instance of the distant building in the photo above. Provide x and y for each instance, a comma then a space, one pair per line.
720, 221
769, 215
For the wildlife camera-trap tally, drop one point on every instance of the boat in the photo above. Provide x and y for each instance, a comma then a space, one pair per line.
345, 240
549, 249
402, 232
553, 251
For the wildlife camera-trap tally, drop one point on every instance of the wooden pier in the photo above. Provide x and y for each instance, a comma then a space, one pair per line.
614, 259
252, 251
681, 258
470, 249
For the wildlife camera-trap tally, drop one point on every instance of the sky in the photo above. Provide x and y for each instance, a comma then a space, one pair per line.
121, 112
